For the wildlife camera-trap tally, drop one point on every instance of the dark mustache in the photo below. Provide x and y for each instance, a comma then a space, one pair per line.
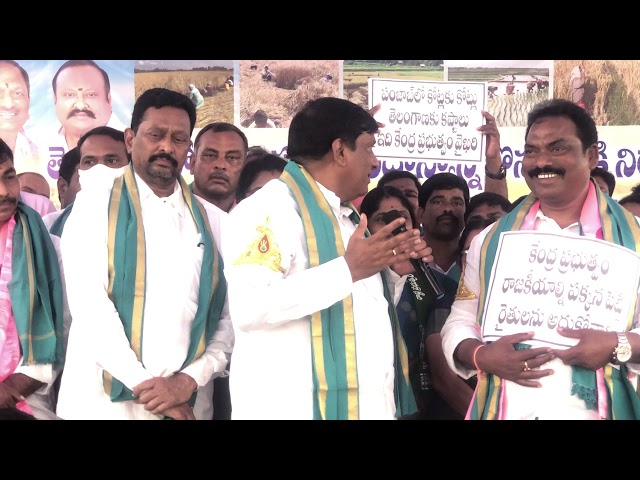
537, 171
75, 111
219, 174
8, 200
446, 215
166, 156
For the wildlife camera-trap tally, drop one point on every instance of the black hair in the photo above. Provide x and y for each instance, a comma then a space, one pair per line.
256, 152
323, 120
471, 225
217, 127
267, 163
81, 63
5, 152
487, 198
559, 107
261, 114
392, 175
372, 200
607, 176
159, 98
23, 72
69, 163
633, 197
442, 181
104, 130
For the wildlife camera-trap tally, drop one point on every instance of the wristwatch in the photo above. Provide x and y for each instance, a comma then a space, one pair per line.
501, 175
622, 353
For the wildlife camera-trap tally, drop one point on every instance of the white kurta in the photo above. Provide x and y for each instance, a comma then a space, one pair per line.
553, 400
271, 376
204, 404
97, 341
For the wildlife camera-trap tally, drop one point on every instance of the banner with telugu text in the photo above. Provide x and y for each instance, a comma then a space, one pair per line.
35, 126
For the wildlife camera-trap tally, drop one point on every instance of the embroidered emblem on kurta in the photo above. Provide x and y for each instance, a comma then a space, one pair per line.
263, 245
263, 251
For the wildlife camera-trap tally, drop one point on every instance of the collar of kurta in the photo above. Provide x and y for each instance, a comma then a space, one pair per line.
127, 272
606, 390
176, 199
333, 335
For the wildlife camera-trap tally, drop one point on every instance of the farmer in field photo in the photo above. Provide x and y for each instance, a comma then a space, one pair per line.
195, 96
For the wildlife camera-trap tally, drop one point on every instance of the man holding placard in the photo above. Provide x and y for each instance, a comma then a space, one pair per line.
552, 329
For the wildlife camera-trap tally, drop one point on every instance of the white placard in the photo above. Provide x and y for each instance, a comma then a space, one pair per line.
427, 120
541, 281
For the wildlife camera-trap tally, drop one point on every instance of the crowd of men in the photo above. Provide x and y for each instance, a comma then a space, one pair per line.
289, 289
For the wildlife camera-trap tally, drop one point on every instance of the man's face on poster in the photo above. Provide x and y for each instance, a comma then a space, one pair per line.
14, 99
81, 99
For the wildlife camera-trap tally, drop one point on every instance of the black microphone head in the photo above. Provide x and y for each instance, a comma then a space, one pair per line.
390, 216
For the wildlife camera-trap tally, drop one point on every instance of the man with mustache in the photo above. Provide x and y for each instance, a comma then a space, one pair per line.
442, 202
30, 302
595, 375
15, 100
310, 292
144, 280
82, 98
219, 154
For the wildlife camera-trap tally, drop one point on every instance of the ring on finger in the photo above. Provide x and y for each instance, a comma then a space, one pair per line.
526, 367
394, 252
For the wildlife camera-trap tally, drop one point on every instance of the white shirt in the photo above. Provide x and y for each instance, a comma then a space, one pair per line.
271, 376
217, 218
551, 401
97, 341
270, 124
50, 218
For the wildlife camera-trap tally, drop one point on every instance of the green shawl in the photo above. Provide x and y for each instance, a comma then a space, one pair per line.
618, 226
333, 335
35, 290
127, 272
58, 225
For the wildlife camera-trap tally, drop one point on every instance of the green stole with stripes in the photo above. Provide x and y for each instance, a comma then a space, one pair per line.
333, 335
127, 274
35, 290
619, 226
58, 225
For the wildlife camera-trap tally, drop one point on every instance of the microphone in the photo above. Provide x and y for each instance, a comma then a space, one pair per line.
422, 269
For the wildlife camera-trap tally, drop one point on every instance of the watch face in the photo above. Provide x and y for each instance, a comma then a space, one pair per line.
623, 353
